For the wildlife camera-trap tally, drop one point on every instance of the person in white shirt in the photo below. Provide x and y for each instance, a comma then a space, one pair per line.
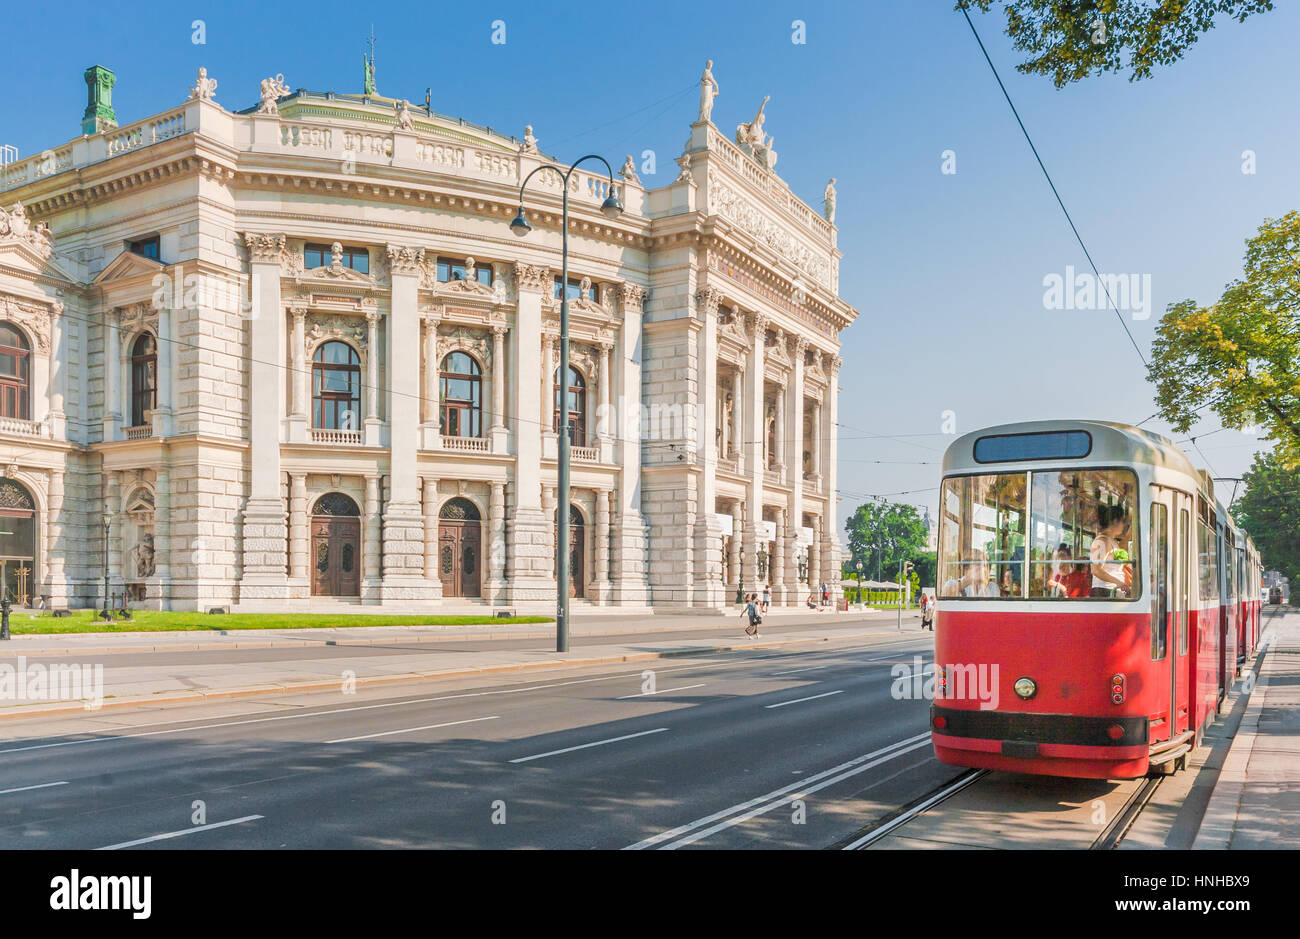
1110, 577
974, 581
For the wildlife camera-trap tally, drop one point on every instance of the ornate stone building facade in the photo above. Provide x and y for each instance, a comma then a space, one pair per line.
294, 356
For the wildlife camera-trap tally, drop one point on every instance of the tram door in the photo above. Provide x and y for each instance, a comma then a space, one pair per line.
1167, 572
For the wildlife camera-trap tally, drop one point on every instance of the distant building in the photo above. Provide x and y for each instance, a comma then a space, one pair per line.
296, 355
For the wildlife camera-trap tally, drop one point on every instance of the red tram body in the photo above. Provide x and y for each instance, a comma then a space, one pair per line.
1095, 601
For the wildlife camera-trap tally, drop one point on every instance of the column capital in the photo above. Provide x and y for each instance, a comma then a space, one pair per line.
759, 323
707, 300
405, 261
532, 276
632, 297
499, 331
264, 248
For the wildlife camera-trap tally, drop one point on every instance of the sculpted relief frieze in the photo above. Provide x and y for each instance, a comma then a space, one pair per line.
34, 319
730, 204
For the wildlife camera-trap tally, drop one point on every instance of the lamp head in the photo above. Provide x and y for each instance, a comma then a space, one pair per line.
611, 208
520, 225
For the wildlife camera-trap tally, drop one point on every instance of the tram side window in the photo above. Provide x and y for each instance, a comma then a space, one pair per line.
1084, 531
982, 551
1207, 566
1159, 581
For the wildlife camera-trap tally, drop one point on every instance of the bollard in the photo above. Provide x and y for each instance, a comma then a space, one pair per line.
4, 617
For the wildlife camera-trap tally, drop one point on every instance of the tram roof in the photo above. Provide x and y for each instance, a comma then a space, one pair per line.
1111, 443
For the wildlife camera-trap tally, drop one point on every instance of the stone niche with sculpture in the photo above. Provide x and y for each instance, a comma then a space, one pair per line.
138, 542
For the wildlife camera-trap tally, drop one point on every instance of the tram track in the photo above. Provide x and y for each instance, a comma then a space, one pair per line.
896, 820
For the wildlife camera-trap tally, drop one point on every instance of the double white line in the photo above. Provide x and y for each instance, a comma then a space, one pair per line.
729, 817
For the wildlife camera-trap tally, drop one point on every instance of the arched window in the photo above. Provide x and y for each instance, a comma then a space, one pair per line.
336, 387
577, 407
144, 378
15, 373
461, 391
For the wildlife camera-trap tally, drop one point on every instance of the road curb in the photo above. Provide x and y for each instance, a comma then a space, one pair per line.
195, 697
1220, 818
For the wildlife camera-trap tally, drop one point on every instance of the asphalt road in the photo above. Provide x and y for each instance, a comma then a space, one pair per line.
794, 748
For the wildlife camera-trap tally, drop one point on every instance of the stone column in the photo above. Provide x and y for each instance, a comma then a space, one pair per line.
816, 576
432, 386
548, 510
113, 496
779, 456
628, 562
498, 433
112, 375
817, 441
162, 535
371, 547
754, 446
777, 563
550, 365
738, 414
528, 529
707, 555
263, 581
372, 421
403, 520
299, 539
794, 466
429, 494
600, 589
831, 542
734, 551
298, 419
164, 408
58, 376
496, 542
57, 542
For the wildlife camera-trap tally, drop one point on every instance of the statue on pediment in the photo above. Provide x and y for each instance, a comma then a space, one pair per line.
628, 172
754, 141
830, 201
708, 91
403, 109
204, 87
530, 142
272, 90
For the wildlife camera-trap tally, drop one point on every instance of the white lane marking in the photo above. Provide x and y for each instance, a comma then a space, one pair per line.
5, 792
803, 791
810, 668
651, 694
176, 834
877, 833
759, 800
389, 704
410, 730
583, 746
801, 700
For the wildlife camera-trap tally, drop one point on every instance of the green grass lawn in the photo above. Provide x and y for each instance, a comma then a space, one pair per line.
85, 621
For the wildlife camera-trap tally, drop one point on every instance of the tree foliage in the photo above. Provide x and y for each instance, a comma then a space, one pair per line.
1061, 38
1241, 355
880, 536
1269, 509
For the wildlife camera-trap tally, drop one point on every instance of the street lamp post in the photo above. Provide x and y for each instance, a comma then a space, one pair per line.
859, 567
106, 614
611, 208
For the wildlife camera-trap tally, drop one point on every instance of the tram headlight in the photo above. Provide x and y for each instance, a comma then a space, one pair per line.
1026, 688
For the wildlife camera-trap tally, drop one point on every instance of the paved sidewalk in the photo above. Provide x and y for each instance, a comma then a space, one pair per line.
1256, 801
137, 683
590, 624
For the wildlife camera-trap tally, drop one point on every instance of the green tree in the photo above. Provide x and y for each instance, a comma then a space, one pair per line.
880, 536
927, 567
1072, 39
1239, 356
1269, 509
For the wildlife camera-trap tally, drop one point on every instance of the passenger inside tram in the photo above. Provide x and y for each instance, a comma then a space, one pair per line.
1068, 579
1112, 568
974, 581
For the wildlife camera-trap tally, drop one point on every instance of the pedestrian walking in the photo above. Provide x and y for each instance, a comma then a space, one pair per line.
826, 594
767, 597
751, 611
927, 612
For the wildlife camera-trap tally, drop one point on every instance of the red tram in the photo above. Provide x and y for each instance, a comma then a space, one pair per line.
1095, 601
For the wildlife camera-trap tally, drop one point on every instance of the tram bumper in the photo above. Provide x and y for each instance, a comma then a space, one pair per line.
1020, 736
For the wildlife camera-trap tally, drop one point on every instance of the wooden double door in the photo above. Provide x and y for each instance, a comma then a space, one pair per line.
335, 556
460, 557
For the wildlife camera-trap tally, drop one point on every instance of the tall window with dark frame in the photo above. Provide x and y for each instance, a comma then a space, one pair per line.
577, 400
461, 392
575, 289
144, 378
147, 248
358, 259
335, 387
15, 373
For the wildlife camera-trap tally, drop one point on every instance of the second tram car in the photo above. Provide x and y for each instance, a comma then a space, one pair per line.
1095, 601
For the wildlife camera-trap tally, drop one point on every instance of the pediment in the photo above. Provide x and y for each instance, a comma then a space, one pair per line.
335, 274
128, 264
27, 257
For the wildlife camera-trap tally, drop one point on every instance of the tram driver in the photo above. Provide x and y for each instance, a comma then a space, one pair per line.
1112, 574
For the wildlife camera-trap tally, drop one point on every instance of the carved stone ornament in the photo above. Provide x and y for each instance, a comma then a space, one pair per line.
776, 350
632, 296
338, 272
730, 204
813, 370
264, 248
34, 320
732, 327
16, 228
465, 339
137, 317
532, 276
404, 260
322, 327
467, 285
204, 88
707, 300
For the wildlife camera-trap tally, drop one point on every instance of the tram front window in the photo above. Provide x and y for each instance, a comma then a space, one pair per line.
1041, 535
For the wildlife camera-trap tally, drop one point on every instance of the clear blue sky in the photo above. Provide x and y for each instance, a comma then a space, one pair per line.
947, 269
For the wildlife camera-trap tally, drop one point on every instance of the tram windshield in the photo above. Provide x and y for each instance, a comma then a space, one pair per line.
1046, 534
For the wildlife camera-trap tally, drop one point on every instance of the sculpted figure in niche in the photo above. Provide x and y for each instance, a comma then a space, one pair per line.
144, 557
